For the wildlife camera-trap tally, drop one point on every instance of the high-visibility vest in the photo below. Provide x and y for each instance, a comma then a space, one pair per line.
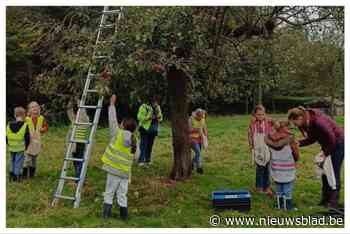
196, 126
81, 133
16, 140
117, 158
39, 123
146, 112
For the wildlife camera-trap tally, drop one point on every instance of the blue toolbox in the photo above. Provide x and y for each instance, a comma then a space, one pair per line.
231, 199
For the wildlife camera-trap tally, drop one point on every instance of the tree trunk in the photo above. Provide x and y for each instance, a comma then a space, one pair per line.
178, 88
246, 104
260, 101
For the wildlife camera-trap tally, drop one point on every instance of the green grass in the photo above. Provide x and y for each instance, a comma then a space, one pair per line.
153, 202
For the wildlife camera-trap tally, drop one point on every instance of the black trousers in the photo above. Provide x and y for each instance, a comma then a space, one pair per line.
79, 153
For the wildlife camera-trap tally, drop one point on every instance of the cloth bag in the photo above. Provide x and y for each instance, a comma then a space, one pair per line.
35, 145
261, 151
324, 166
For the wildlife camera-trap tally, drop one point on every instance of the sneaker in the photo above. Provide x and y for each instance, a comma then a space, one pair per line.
141, 164
200, 171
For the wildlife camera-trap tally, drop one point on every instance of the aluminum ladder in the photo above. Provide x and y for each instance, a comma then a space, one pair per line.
108, 15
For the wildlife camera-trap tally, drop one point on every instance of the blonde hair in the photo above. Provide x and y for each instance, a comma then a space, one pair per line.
20, 112
30, 106
296, 112
259, 108
200, 111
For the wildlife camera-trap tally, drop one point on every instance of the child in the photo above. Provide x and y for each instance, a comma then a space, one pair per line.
81, 133
284, 154
117, 161
17, 139
198, 130
259, 127
37, 126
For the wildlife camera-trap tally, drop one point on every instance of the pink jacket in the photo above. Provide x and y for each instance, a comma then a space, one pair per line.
264, 126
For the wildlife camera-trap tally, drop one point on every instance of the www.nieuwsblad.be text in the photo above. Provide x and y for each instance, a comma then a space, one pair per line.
270, 221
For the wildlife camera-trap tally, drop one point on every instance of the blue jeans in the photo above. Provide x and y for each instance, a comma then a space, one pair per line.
262, 179
197, 160
17, 159
146, 145
284, 189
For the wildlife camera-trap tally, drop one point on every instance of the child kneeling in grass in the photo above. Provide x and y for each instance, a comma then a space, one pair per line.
117, 161
284, 154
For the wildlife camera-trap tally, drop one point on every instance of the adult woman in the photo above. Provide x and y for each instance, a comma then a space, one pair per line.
318, 127
149, 116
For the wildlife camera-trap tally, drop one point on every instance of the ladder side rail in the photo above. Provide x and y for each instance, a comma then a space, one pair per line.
87, 154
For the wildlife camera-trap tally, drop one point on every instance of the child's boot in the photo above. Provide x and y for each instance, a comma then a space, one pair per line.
32, 172
200, 170
14, 178
107, 211
25, 173
124, 213
289, 205
11, 177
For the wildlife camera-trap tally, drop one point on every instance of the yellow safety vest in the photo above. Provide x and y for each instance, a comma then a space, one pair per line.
16, 141
39, 123
81, 133
145, 112
117, 158
196, 125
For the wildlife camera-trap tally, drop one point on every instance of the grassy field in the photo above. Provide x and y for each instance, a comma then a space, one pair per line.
153, 202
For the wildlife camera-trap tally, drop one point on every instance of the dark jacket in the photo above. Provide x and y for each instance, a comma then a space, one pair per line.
322, 129
15, 126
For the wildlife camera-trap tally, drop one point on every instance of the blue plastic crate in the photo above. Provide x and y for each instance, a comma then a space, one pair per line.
231, 199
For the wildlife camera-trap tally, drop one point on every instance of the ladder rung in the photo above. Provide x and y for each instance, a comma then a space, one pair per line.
69, 178
64, 197
90, 107
107, 26
111, 12
104, 42
83, 124
74, 159
92, 90
80, 141
93, 76
101, 57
